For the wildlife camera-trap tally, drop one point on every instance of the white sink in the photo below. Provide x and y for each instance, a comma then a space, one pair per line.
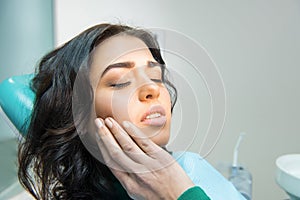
288, 174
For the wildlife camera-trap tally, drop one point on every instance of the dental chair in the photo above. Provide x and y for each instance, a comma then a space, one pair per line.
16, 101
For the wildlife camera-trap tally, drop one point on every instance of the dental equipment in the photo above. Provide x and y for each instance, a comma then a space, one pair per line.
240, 177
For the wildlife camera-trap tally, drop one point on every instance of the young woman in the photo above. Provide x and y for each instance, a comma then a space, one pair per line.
113, 75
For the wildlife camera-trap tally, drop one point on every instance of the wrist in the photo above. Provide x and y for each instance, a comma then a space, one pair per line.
193, 193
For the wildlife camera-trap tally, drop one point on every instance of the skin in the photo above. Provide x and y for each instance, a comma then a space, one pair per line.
145, 170
130, 147
127, 93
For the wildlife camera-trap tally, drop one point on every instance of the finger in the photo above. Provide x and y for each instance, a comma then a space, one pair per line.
113, 151
101, 134
161, 158
126, 142
146, 144
105, 157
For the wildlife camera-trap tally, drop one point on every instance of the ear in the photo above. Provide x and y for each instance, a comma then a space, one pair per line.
16, 100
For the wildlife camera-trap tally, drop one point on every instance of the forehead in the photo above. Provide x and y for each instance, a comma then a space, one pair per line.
116, 48
119, 48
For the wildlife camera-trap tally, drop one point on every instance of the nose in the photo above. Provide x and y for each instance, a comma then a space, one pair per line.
149, 92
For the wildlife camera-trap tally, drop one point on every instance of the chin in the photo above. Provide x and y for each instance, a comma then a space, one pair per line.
160, 140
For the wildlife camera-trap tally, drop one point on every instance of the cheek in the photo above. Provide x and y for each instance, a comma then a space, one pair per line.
165, 99
103, 105
111, 104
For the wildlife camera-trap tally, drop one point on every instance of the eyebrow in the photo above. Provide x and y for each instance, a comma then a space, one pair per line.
128, 65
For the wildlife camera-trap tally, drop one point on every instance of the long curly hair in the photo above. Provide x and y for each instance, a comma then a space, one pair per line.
53, 162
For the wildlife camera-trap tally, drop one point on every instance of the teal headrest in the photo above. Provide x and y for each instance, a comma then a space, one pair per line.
16, 100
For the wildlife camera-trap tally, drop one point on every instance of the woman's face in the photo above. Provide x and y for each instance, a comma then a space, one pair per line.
127, 82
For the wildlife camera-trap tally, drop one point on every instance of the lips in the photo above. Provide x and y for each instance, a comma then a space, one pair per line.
155, 116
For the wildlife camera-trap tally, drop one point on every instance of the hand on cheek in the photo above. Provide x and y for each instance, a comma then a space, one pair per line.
144, 169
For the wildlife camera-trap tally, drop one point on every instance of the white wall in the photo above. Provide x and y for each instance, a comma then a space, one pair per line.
26, 35
255, 45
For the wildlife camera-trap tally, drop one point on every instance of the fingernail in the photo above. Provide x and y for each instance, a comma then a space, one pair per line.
98, 123
126, 124
108, 122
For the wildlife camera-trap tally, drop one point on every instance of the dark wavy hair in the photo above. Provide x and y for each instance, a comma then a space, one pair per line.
53, 162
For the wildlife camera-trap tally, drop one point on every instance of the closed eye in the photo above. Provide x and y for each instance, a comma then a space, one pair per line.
157, 80
119, 85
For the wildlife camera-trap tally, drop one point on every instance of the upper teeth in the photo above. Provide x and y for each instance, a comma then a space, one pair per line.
153, 115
